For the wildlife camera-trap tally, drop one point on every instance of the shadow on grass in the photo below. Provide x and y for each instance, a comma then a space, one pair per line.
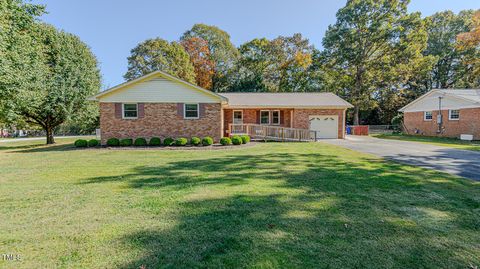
322, 212
37, 148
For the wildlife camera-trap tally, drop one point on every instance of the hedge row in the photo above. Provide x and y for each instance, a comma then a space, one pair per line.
236, 140
156, 141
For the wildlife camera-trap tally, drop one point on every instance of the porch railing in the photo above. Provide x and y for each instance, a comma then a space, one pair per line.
268, 132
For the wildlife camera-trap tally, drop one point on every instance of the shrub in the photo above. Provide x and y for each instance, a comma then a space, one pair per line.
397, 120
225, 141
181, 142
237, 140
93, 143
195, 141
168, 141
207, 141
113, 142
127, 142
155, 141
245, 139
140, 142
80, 143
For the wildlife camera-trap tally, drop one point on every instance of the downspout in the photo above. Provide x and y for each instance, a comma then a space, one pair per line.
439, 116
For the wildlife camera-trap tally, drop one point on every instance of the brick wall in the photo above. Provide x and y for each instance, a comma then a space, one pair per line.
469, 123
301, 118
160, 120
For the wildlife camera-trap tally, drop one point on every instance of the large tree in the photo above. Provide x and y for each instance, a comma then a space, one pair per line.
63, 74
283, 64
468, 44
159, 54
223, 52
443, 28
18, 52
197, 49
255, 69
372, 47
295, 57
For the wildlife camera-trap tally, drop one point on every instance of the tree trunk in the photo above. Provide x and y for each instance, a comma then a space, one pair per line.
356, 117
50, 139
358, 93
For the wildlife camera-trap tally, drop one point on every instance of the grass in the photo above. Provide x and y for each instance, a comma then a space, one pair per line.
291, 205
440, 141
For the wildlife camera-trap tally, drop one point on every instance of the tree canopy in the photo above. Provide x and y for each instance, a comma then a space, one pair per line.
222, 52
46, 74
159, 54
372, 48
200, 57
18, 52
279, 65
443, 28
468, 43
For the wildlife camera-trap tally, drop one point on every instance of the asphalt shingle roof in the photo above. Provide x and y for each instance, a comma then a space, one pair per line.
318, 99
471, 94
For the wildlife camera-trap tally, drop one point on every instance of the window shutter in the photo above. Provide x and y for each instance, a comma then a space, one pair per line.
118, 110
258, 116
141, 110
201, 109
281, 116
180, 109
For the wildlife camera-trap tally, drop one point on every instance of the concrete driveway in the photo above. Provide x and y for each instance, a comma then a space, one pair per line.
454, 161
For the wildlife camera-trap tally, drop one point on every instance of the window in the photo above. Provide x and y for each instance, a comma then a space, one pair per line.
427, 115
190, 111
264, 117
454, 114
276, 117
237, 117
130, 111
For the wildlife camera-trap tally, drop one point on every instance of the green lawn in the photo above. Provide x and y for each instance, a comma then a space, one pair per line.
293, 205
440, 141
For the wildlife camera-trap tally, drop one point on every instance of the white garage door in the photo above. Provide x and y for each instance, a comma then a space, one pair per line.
326, 126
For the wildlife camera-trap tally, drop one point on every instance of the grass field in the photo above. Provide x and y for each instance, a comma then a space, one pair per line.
291, 205
440, 141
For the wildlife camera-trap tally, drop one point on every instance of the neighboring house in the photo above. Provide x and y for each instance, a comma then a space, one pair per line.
460, 113
160, 105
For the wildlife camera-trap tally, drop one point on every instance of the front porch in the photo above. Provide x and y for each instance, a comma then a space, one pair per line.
268, 132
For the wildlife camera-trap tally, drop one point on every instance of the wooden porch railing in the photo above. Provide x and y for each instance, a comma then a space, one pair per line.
268, 132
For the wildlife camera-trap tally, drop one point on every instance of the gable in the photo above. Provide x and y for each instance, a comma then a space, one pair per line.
158, 88
430, 102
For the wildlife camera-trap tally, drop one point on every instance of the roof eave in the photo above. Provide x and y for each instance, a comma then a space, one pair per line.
288, 106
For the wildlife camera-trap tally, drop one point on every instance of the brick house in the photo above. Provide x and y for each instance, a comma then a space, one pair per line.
160, 105
447, 113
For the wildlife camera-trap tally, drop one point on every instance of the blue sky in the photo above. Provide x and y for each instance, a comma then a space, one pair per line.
113, 27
